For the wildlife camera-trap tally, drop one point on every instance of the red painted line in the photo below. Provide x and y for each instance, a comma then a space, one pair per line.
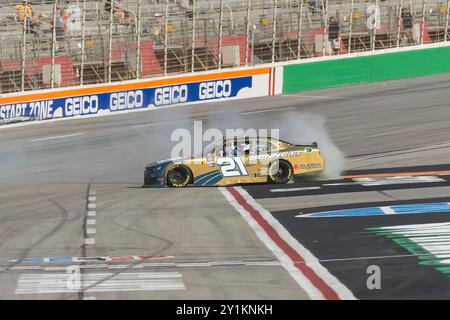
270, 82
153, 257
121, 258
296, 258
274, 77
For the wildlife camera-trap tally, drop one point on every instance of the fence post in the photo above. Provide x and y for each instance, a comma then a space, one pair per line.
446, 21
247, 40
111, 17
194, 16
52, 75
83, 44
220, 34
300, 20
166, 36
325, 17
274, 31
138, 41
24, 46
422, 29
352, 9
375, 26
399, 22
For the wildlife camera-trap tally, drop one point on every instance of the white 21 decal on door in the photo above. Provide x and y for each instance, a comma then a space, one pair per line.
232, 167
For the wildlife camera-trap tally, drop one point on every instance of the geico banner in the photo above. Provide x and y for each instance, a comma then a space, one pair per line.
140, 96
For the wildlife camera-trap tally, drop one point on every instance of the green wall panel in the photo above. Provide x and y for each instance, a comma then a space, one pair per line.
359, 70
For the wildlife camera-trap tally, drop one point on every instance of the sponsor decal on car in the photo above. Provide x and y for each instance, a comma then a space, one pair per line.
276, 155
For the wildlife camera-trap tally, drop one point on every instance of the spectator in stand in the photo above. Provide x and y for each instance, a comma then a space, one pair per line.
407, 22
119, 12
60, 27
157, 28
333, 34
314, 5
25, 9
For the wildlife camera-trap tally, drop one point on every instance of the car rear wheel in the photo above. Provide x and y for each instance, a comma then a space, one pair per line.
280, 172
178, 176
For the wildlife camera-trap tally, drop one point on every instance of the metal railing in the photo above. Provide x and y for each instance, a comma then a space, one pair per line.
94, 41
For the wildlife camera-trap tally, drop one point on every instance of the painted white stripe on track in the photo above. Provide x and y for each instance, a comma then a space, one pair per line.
57, 137
264, 111
387, 210
100, 282
294, 189
89, 241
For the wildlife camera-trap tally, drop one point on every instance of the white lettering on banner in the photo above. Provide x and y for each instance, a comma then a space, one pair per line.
12, 110
41, 109
126, 100
81, 105
171, 95
215, 89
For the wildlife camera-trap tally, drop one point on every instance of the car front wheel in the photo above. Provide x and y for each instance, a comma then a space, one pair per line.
178, 176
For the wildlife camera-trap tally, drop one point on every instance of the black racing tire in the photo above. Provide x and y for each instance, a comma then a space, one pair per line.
179, 176
280, 172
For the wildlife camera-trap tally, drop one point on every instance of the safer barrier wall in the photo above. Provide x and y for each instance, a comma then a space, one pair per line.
140, 95
366, 69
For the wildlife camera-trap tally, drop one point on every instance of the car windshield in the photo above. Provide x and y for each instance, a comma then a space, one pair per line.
239, 149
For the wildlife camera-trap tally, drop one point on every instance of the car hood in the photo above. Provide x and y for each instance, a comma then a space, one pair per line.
171, 160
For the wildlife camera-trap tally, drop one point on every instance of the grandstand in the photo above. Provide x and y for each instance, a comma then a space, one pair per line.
160, 38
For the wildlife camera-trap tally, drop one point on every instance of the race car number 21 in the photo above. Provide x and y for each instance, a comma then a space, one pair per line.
232, 167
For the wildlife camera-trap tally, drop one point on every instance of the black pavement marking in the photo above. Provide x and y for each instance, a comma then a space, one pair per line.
362, 205
263, 191
439, 167
346, 238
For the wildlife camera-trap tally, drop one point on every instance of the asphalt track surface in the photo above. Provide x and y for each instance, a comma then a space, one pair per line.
67, 181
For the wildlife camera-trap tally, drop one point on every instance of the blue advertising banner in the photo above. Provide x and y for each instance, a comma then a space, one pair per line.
109, 102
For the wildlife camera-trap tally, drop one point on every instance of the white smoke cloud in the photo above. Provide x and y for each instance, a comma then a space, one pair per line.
294, 127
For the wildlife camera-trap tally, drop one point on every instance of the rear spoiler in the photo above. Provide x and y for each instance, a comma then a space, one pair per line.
312, 145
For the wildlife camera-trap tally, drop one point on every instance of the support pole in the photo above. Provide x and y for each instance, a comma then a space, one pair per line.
52, 76
446, 21
274, 31
399, 22
352, 9
111, 17
83, 44
374, 36
24, 45
194, 19
247, 40
166, 36
138, 41
300, 20
220, 34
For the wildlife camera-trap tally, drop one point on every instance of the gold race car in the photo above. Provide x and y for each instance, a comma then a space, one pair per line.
238, 161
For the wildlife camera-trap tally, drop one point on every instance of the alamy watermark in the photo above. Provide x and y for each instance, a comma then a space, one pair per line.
374, 280
223, 143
